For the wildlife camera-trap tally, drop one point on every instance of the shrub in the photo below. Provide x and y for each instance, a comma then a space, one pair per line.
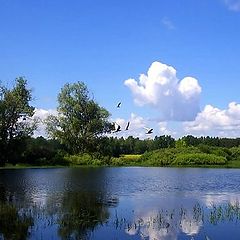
165, 157
219, 151
199, 159
117, 161
81, 159
235, 153
186, 156
126, 160
161, 157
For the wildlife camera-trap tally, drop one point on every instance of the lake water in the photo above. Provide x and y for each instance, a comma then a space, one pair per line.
120, 203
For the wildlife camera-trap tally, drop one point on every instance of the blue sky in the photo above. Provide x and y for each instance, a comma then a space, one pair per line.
104, 43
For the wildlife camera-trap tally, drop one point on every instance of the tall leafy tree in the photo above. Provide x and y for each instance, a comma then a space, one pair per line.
80, 121
15, 113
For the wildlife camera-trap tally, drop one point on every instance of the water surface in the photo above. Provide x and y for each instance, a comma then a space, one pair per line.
120, 203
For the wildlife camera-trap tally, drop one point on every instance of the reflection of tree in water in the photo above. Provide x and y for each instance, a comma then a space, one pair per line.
81, 213
13, 225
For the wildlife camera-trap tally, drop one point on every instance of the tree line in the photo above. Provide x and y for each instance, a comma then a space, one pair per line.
80, 126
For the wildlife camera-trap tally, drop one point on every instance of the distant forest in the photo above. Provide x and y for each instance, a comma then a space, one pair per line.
41, 151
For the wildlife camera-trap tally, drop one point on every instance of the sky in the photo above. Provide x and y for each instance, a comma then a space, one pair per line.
174, 65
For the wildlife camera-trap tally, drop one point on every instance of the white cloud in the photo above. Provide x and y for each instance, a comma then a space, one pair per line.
136, 127
168, 24
233, 5
219, 122
41, 115
175, 99
164, 129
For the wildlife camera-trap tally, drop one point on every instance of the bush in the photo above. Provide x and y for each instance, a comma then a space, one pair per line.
161, 157
235, 153
188, 156
199, 159
59, 159
126, 160
97, 162
219, 151
117, 161
81, 159
165, 157
86, 159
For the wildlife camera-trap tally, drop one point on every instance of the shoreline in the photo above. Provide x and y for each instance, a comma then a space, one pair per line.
114, 166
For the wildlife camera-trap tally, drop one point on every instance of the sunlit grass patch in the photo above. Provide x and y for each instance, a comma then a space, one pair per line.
131, 156
127, 159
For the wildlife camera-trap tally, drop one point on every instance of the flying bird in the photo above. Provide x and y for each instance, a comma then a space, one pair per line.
127, 126
149, 130
117, 128
118, 106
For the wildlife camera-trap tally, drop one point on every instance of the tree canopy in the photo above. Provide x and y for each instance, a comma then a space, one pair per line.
15, 113
80, 120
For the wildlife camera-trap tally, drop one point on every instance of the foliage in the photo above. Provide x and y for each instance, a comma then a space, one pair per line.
80, 159
219, 151
188, 156
158, 158
235, 153
211, 141
180, 143
196, 159
15, 122
126, 160
165, 157
40, 151
116, 147
85, 159
80, 121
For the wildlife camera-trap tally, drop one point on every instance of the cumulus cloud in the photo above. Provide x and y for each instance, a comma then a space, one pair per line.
221, 122
41, 115
175, 99
233, 5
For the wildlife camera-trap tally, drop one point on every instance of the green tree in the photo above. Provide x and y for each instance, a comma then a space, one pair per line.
80, 121
15, 121
181, 143
164, 141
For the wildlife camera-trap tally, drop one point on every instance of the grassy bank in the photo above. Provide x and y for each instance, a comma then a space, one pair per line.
201, 156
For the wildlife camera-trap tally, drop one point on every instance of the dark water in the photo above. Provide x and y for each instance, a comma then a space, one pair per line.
120, 203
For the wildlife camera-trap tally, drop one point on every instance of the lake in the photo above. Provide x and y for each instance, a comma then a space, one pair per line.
120, 203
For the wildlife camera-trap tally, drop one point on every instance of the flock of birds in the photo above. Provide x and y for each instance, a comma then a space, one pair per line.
118, 127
